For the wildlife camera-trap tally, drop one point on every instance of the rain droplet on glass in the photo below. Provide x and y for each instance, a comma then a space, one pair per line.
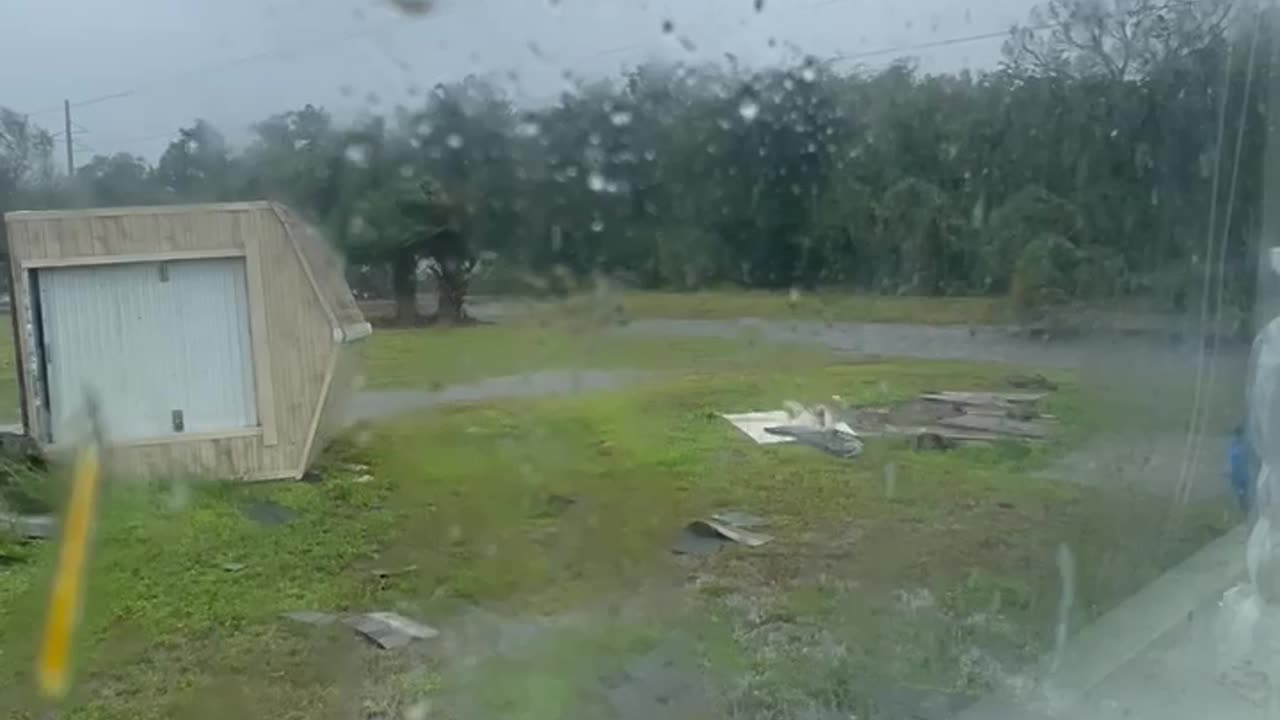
597, 225
454, 140
749, 109
620, 118
597, 182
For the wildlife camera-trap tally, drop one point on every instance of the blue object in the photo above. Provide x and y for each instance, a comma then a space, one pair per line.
1242, 464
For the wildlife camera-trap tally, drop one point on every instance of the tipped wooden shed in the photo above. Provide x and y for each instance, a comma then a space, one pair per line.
217, 339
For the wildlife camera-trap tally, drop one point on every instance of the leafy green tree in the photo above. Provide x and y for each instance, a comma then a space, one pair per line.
409, 226
197, 166
1029, 214
26, 175
296, 158
1114, 131
120, 179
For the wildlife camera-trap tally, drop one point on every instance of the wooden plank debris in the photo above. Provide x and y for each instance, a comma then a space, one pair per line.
998, 425
983, 398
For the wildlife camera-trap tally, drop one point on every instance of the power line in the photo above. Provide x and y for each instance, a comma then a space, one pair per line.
255, 57
129, 142
947, 42
163, 80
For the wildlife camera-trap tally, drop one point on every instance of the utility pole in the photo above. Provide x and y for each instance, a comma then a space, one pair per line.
71, 158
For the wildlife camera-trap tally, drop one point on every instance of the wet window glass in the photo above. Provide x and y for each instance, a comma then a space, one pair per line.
563, 359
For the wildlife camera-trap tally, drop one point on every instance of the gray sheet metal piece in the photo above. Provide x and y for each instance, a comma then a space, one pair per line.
311, 617
829, 440
389, 630
702, 537
740, 519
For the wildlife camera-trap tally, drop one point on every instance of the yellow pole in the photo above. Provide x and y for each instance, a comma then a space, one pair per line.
53, 665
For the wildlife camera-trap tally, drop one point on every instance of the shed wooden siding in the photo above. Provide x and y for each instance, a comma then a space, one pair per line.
326, 267
332, 417
299, 338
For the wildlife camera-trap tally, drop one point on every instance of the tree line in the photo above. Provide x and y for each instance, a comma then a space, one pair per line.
1096, 162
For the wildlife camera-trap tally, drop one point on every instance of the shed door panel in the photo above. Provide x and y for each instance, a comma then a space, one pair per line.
148, 340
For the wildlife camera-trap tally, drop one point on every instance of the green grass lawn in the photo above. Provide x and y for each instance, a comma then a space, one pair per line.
416, 358
832, 306
9, 408
460, 502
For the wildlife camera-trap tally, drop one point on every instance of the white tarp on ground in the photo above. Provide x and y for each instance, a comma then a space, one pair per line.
755, 424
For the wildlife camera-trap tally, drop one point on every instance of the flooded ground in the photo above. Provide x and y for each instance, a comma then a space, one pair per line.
976, 344
380, 404
1163, 464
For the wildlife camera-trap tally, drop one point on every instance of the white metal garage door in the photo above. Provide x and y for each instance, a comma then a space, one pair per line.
164, 346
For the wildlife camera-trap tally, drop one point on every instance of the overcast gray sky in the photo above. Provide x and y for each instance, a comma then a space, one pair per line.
140, 69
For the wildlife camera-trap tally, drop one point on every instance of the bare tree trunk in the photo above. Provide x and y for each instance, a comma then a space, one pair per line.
404, 286
451, 294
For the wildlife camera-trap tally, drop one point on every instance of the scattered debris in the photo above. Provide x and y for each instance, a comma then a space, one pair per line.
353, 468
363, 479
310, 617
755, 425
830, 440
556, 505
312, 477
1031, 382
741, 519
998, 426
933, 441
983, 399
817, 427
1025, 413
389, 630
30, 527
946, 419
384, 573
233, 567
935, 420
702, 537
266, 512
